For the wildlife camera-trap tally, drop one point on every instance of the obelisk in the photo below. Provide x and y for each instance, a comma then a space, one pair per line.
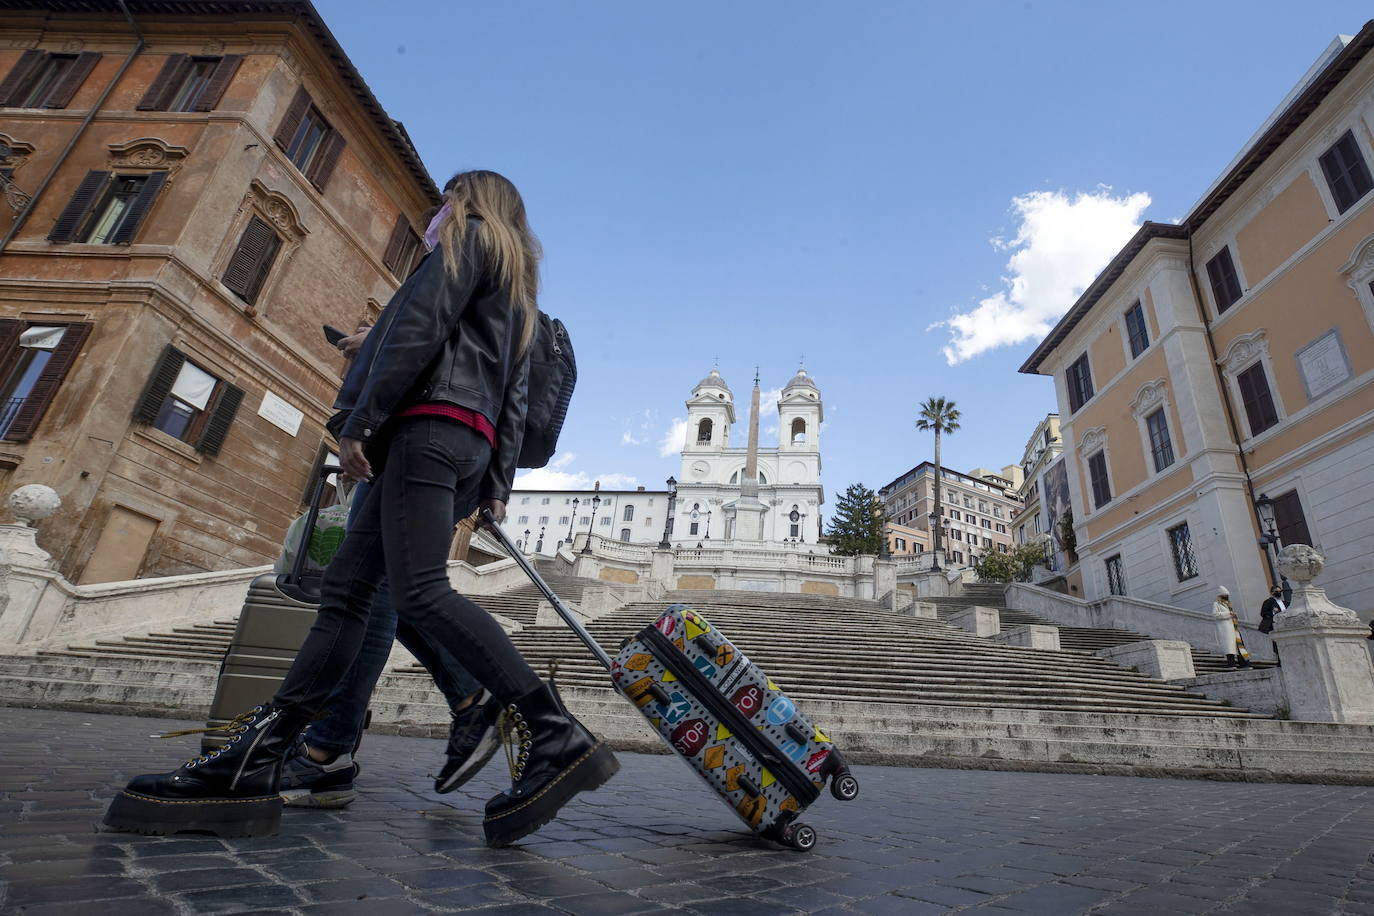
748, 509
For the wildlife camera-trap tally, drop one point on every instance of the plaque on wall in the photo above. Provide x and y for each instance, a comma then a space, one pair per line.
280, 414
1323, 364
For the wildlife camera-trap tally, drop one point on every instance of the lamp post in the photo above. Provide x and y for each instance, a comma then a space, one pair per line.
1269, 535
572, 521
665, 544
539, 547
591, 528
708, 524
934, 554
525, 544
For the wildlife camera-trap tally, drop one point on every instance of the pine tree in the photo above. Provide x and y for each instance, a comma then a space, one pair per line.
856, 525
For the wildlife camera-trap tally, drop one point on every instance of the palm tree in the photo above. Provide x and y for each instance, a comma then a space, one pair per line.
943, 417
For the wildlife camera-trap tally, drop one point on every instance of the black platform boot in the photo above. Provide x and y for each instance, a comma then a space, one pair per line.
552, 758
231, 791
1230, 661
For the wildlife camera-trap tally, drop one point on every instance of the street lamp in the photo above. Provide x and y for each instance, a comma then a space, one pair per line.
525, 544
1269, 535
665, 544
572, 521
539, 547
708, 524
596, 501
934, 553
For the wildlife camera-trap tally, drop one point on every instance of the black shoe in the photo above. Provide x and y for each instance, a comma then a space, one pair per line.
230, 791
307, 783
553, 757
1230, 661
472, 740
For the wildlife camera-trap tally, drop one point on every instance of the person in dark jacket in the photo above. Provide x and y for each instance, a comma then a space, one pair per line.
438, 418
1276, 603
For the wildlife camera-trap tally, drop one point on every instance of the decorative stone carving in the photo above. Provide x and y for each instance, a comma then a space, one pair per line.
212, 47
33, 502
147, 153
1361, 263
1092, 440
1244, 350
14, 153
1150, 395
72, 45
277, 209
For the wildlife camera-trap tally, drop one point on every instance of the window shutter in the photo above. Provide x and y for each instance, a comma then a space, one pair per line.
221, 417
19, 74
46, 385
397, 243
246, 268
159, 384
219, 81
168, 79
138, 210
325, 160
9, 336
62, 92
78, 206
294, 114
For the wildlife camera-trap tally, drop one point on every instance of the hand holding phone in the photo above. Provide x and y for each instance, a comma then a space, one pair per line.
333, 335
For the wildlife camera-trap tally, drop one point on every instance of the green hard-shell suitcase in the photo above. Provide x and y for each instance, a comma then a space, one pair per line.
277, 614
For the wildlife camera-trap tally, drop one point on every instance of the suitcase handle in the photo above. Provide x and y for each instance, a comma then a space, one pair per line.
543, 586
298, 565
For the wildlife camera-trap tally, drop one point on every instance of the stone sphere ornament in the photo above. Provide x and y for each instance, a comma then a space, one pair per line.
1301, 563
33, 502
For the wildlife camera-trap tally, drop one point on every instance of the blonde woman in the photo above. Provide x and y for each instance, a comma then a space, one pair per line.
1228, 630
436, 403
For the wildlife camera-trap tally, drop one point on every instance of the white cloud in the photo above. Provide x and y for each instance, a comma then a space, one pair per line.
1061, 244
627, 438
554, 477
675, 439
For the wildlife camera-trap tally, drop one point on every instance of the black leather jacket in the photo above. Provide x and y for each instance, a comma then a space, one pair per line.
450, 341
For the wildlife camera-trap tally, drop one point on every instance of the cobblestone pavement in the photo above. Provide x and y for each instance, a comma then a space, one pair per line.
654, 840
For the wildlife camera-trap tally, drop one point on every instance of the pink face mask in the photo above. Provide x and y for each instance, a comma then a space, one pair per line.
432, 232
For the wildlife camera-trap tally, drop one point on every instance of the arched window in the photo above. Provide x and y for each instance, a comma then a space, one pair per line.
798, 431
624, 534
629, 514
704, 432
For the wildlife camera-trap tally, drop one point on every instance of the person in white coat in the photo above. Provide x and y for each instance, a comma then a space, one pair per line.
1228, 631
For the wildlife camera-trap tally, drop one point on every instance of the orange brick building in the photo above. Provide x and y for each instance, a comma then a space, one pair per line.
190, 193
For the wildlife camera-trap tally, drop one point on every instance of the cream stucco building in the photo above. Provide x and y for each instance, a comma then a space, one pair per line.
1231, 357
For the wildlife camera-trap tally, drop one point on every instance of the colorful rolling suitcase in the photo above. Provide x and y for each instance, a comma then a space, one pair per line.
277, 614
722, 715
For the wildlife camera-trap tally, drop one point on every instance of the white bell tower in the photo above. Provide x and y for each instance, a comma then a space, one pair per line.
710, 412
800, 412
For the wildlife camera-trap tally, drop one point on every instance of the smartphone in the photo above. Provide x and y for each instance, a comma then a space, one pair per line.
333, 335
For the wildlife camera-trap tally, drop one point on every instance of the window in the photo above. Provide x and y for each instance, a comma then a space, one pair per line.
996, 511
956, 534
107, 209
1257, 399
605, 521
1002, 529
1181, 546
624, 534
798, 431
187, 402
1161, 447
899, 543
955, 515
37, 358
543, 519
956, 556
252, 260
402, 250
1079, 382
564, 520
524, 500
523, 520
968, 502
1346, 173
695, 527
187, 83
1136, 332
1116, 576
704, 432
544, 501
1289, 520
987, 523
308, 140
794, 531
982, 506
1097, 473
987, 542
43, 80
629, 515
1221, 273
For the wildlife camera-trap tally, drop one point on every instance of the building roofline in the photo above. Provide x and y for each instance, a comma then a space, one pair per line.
948, 470
1281, 127
391, 130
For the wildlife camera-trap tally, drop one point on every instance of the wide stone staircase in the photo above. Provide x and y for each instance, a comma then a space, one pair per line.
1082, 639
888, 687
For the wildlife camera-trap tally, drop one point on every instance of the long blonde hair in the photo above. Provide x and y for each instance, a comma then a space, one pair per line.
504, 234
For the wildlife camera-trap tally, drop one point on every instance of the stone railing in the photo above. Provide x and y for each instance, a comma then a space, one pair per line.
1121, 612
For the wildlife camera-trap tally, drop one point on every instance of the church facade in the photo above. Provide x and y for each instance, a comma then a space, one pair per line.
747, 496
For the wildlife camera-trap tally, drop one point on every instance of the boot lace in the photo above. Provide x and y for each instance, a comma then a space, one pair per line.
236, 728
516, 736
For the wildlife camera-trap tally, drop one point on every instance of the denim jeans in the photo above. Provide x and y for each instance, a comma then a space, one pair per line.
346, 708
431, 478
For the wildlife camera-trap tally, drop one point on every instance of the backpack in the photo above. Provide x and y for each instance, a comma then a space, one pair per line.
553, 373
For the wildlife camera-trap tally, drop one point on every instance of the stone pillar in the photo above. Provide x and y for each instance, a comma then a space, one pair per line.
26, 570
1166, 659
661, 568
884, 578
980, 621
1327, 673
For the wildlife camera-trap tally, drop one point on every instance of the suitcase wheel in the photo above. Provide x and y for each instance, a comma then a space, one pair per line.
799, 837
844, 787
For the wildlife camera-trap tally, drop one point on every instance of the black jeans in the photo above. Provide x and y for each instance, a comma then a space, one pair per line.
433, 469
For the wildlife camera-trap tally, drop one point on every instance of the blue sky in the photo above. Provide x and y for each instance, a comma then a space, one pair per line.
761, 180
